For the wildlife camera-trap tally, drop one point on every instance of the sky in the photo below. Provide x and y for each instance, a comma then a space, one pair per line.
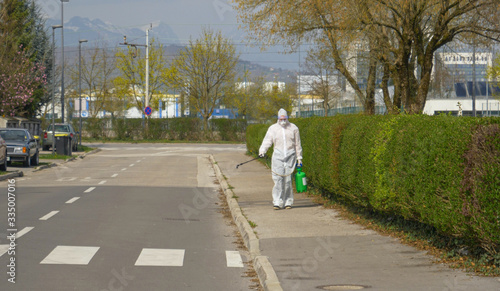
185, 17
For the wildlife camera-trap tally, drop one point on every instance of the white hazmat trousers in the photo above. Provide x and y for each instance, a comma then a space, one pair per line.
287, 149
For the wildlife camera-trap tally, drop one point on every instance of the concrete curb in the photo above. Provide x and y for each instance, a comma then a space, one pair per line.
89, 153
11, 175
265, 272
39, 168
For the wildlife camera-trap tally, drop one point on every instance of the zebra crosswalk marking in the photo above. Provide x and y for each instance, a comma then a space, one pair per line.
70, 255
161, 257
233, 259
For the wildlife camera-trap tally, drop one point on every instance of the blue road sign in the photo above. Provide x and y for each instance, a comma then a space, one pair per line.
147, 111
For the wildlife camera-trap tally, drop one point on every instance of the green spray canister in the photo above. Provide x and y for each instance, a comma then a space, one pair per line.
300, 180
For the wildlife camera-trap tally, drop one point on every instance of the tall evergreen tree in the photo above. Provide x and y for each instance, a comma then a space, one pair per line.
22, 32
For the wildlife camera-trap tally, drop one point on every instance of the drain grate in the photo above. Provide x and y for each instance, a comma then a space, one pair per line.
342, 287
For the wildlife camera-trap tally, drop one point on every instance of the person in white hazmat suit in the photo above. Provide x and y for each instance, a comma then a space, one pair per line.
287, 152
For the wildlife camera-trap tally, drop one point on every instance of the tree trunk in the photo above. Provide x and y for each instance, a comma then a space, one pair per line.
370, 88
425, 81
391, 109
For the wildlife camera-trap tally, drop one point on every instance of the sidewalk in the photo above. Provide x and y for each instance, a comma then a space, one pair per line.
312, 248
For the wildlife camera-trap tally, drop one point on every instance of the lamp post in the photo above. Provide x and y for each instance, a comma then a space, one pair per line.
80, 83
54, 27
62, 55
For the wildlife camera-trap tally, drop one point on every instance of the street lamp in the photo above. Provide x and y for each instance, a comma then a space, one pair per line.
62, 54
54, 27
80, 82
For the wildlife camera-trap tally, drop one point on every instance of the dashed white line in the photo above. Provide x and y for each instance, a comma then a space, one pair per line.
114, 175
124, 169
23, 231
49, 215
233, 259
72, 200
138, 161
89, 190
131, 165
5, 248
102, 182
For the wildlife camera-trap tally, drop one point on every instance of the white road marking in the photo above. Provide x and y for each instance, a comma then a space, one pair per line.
161, 257
24, 231
89, 190
72, 200
114, 175
49, 215
66, 179
124, 169
70, 255
138, 161
233, 259
3, 249
131, 165
102, 182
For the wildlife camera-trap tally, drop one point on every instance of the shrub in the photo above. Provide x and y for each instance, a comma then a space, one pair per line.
442, 171
229, 129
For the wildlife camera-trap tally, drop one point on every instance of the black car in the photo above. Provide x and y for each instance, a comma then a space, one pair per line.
3, 155
21, 146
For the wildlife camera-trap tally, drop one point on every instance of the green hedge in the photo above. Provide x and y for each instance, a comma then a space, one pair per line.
443, 171
160, 129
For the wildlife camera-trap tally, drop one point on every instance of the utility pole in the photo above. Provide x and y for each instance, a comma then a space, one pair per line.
300, 115
135, 45
474, 79
80, 83
147, 67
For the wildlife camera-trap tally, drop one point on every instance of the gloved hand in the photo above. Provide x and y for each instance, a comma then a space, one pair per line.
299, 163
261, 155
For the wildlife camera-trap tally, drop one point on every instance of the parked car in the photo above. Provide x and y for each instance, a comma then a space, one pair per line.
60, 128
21, 146
3, 155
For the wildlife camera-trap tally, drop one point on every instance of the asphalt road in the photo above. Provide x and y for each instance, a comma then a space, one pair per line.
131, 217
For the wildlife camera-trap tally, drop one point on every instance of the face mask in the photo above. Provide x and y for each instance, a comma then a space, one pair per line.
282, 122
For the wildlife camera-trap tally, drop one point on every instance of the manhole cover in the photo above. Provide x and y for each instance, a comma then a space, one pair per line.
342, 287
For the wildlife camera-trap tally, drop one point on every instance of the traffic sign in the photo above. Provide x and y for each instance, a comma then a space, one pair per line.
85, 113
147, 111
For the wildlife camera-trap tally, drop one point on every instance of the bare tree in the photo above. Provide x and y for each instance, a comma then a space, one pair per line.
98, 68
130, 84
205, 69
397, 37
324, 82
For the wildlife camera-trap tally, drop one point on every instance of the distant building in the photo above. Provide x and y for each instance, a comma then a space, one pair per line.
455, 72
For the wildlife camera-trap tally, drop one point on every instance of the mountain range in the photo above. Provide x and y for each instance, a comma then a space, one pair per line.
97, 30
271, 65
